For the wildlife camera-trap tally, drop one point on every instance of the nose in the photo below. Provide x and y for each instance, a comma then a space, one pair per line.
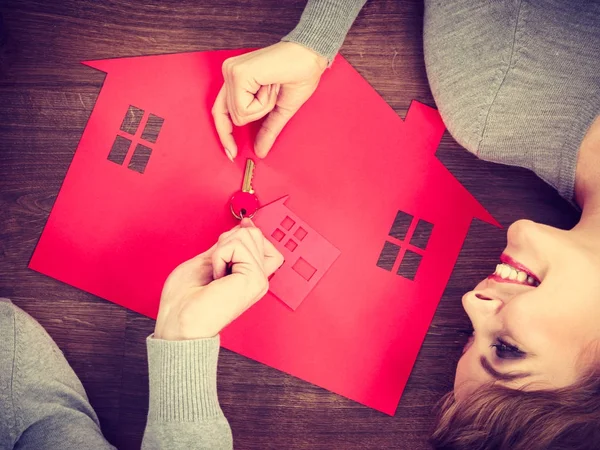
521, 233
480, 305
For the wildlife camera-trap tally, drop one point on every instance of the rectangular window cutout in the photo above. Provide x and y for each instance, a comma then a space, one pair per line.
400, 225
119, 150
132, 120
140, 157
409, 265
291, 245
278, 235
422, 232
152, 128
388, 256
300, 234
288, 223
304, 269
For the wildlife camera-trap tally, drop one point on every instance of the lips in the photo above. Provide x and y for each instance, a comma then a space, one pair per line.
511, 271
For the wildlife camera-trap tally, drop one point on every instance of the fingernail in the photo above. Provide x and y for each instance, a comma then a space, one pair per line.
229, 154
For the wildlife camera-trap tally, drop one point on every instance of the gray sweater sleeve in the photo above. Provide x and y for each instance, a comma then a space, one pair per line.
324, 25
184, 409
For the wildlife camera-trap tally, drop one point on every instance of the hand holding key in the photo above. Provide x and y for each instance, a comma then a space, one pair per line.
274, 82
206, 293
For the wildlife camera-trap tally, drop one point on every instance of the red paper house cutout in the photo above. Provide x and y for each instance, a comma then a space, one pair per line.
308, 255
351, 168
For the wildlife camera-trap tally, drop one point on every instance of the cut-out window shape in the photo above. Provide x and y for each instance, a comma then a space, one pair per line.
132, 120
300, 233
288, 223
388, 256
134, 141
119, 150
278, 235
140, 158
291, 245
400, 226
409, 265
152, 128
405, 246
420, 237
304, 269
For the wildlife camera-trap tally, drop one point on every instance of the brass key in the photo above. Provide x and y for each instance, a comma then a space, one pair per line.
244, 203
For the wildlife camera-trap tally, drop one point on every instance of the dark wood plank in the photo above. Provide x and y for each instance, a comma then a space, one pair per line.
46, 97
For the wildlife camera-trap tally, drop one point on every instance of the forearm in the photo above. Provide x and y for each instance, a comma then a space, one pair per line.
324, 25
184, 409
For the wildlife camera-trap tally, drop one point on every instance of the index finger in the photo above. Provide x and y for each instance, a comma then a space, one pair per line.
223, 124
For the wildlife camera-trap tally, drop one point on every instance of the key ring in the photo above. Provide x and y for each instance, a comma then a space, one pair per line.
241, 216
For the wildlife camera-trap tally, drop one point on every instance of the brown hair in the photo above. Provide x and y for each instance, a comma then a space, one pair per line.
496, 417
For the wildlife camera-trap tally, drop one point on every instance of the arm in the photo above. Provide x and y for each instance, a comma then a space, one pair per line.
200, 298
274, 82
184, 409
324, 25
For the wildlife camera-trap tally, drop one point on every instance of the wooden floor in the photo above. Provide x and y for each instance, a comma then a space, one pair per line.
46, 97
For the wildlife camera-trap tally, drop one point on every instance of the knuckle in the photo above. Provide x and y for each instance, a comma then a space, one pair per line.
255, 233
236, 70
239, 121
228, 63
225, 236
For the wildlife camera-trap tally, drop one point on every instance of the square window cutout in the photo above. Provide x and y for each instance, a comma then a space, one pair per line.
140, 158
421, 235
119, 150
291, 245
400, 226
304, 269
278, 235
300, 234
132, 120
152, 128
409, 265
288, 223
388, 256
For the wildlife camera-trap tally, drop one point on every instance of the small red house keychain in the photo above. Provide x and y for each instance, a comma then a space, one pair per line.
244, 203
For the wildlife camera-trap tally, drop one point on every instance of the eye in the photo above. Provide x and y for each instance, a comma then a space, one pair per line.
504, 350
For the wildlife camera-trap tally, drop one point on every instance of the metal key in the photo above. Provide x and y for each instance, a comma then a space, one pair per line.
244, 203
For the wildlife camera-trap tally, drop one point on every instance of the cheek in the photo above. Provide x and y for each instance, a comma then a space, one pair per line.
468, 375
464, 374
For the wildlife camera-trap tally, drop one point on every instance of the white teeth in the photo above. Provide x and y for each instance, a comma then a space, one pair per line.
507, 272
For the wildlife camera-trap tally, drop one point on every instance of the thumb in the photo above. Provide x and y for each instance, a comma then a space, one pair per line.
270, 129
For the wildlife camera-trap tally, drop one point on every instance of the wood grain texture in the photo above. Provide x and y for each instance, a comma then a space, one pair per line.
46, 97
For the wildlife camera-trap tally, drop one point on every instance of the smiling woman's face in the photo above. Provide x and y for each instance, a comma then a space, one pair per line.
535, 316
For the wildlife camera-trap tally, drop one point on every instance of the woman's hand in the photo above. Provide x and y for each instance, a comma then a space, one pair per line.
275, 80
206, 293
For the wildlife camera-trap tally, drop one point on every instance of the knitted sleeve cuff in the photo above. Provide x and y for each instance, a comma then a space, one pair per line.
324, 25
183, 379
